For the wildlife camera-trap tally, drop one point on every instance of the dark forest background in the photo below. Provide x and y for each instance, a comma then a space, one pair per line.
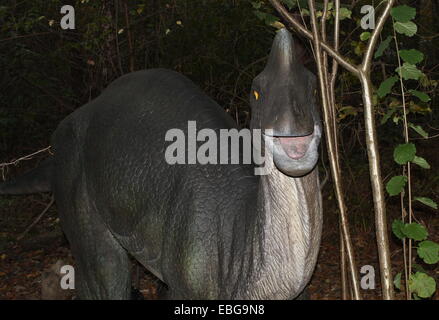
46, 73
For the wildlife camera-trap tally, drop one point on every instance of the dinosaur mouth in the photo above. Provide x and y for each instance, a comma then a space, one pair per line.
295, 147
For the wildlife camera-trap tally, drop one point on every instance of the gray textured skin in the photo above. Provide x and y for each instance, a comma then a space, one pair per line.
207, 231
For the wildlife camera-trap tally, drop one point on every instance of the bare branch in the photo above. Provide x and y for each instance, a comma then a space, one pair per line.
374, 160
21, 236
334, 161
365, 66
336, 40
334, 72
130, 41
298, 27
24, 158
407, 171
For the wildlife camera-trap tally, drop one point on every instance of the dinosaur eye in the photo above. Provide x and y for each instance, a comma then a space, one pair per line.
256, 94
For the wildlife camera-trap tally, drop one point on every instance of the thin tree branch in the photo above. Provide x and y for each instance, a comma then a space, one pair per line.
331, 151
374, 161
28, 36
336, 41
370, 48
21, 236
116, 33
335, 71
407, 261
299, 28
130, 41
24, 158
343, 267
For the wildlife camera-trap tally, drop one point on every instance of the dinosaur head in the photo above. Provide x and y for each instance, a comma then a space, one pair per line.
283, 100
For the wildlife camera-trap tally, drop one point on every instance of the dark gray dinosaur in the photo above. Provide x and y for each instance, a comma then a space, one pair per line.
207, 231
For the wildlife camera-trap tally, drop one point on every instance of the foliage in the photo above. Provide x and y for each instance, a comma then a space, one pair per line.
48, 72
420, 283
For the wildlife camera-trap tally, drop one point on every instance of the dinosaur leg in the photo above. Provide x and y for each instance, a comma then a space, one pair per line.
102, 267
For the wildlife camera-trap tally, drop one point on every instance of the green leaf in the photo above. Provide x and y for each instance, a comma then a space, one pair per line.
359, 48
259, 14
409, 71
290, 3
422, 284
420, 95
412, 56
415, 231
419, 130
397, 280
419, 108
404, 153
374, 100
365, 36
403, 13
386, 86
304, 12
388, 114
347, 111
330, 5
407, 28
345, 13
269, 19
428, 251
396, 185
397, 227
416, 297
421, 162
418, 268
396, 119
427, 83
426, 201
382, 47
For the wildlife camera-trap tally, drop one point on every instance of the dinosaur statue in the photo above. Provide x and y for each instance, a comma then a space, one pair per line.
208, 231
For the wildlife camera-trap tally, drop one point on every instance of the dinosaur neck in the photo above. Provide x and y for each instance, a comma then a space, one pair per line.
289, 224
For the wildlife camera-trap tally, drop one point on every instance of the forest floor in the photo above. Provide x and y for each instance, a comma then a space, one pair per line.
26, 265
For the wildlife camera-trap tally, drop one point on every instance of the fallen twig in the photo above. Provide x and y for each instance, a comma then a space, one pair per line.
15, 162
21, 236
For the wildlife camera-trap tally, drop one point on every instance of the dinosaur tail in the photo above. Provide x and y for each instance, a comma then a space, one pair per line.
34, 181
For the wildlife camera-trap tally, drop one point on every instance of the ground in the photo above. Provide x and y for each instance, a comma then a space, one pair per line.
25, 264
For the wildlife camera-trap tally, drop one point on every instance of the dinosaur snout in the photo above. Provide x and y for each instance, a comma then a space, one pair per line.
295, 147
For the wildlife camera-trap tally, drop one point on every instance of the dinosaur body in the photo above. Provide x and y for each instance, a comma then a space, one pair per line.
208, 231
